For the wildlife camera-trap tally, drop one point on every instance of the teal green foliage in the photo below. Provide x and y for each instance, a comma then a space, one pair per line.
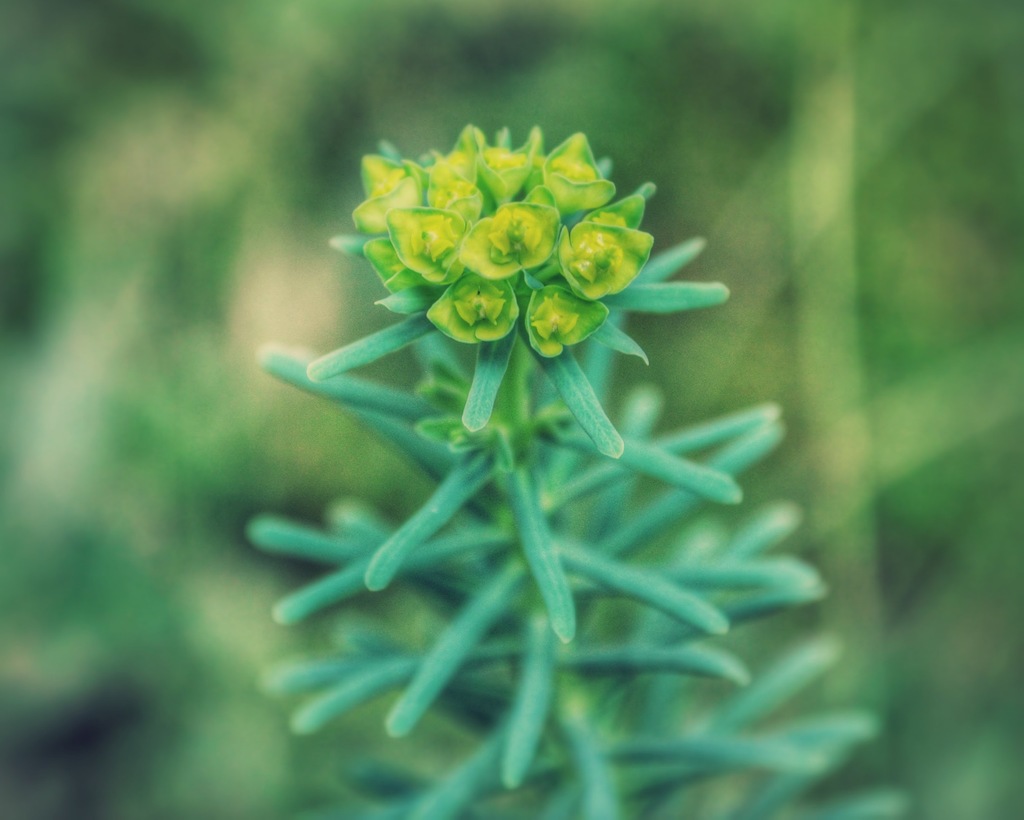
570, 645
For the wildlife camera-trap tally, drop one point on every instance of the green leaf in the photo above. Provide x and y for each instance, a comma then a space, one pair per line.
648, 587
670, 298
449, 799
600, 800
640, 413
338, 586
563, 805
784, 573
716, 431
356, 393
833, 732
687, 659
717, 752
773, 688
458, 487
647, 190
491, 363
369, 348
671, 506
456, 642
578, 395
766, 529
305, 676
280, 536
355, 690
704, 481
666, 263
434, 459
742, 452
530, 708
349, 244
327, 591
766, 800
410, 300
769, 602
610, 335
876, 804
542, 555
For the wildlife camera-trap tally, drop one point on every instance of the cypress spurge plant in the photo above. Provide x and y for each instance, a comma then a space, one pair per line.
578, 613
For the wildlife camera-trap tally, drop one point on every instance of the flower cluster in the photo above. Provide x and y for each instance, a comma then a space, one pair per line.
487, 233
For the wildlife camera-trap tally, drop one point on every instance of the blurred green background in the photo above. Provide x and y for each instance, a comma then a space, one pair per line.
169, 176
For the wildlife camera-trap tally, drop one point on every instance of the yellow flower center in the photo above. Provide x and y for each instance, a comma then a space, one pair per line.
482, 302
608, 219
515, 231
501, 159
460, 159
574, 169
597, 255
553, 315
454, 191
386, 182
435, 238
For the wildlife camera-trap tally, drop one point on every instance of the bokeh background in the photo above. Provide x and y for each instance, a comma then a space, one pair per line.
169, 176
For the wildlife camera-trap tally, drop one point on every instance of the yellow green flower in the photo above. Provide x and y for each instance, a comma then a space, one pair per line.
462, 157
475, 309
573, 177
387, 184
598, 259
427, 241
628, 212
391, 270
519, 235
501, 170
448, 189
555, 318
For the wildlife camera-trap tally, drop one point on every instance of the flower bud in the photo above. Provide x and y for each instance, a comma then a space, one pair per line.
392, 272
475, 309
448, 189
573, 177
597, 260
555, 318
520, 235
388, 184
502, 171
427, 240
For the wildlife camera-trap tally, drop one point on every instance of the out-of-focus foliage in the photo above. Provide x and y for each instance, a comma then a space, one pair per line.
169, 175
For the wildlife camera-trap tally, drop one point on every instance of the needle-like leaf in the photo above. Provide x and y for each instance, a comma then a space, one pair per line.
448, 653
369, 348
491, 363
670, 297
457, 488
542, 555
579, 397
530, 708
665, 264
